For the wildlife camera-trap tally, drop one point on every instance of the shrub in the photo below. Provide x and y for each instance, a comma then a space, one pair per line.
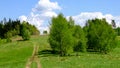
45, 32
8, 34
25, 34
8, 40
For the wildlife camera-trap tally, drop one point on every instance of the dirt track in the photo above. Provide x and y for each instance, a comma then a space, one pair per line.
34, 58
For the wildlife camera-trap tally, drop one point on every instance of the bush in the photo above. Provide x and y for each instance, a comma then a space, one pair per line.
8, 40
8, 34
45, 32
25, 34
117, 31
101, 36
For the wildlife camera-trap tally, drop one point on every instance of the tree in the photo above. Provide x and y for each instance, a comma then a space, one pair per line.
113, 24
1, 30
117, 31
45, 32
80, 39
25, 33
78, 36
11, 28
8, 34
101, 36
33, 30
60, 37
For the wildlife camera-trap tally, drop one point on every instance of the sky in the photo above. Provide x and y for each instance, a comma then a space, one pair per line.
40, 12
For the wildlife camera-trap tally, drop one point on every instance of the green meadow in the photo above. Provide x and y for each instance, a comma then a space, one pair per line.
16, 54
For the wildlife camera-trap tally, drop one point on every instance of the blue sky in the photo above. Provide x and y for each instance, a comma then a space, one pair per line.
39, 12
15, 8
72, 7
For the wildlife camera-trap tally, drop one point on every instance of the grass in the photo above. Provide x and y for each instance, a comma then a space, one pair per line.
84, 60
34, 65
16, 54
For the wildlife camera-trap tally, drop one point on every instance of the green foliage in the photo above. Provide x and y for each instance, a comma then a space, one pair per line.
80, 39
117, 30
66, 37
8, 34
66, 43
2, 41
33, 30
8, 40
101, 36
60, 37
12, 28
25, 33
113, 24
1, 30
45, 32
78, 36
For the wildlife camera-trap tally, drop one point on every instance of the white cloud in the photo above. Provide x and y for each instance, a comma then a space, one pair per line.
46, 5
41, 13
84, 16
45, 9
23, 18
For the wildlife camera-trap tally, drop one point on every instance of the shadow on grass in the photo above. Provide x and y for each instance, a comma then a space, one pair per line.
20, 40
46, 53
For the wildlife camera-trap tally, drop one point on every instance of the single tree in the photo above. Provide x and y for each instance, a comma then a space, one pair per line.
45, 32
60, 37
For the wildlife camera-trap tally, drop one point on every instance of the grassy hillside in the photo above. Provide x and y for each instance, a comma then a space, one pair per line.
16, 54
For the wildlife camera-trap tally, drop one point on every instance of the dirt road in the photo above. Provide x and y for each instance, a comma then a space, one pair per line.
34, 58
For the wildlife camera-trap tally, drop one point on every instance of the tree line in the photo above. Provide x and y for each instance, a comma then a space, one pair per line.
10, 28
66, 37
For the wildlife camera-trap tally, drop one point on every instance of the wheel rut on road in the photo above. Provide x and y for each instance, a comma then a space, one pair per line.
34, 58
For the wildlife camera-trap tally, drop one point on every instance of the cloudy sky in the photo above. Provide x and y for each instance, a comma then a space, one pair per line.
39, 12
